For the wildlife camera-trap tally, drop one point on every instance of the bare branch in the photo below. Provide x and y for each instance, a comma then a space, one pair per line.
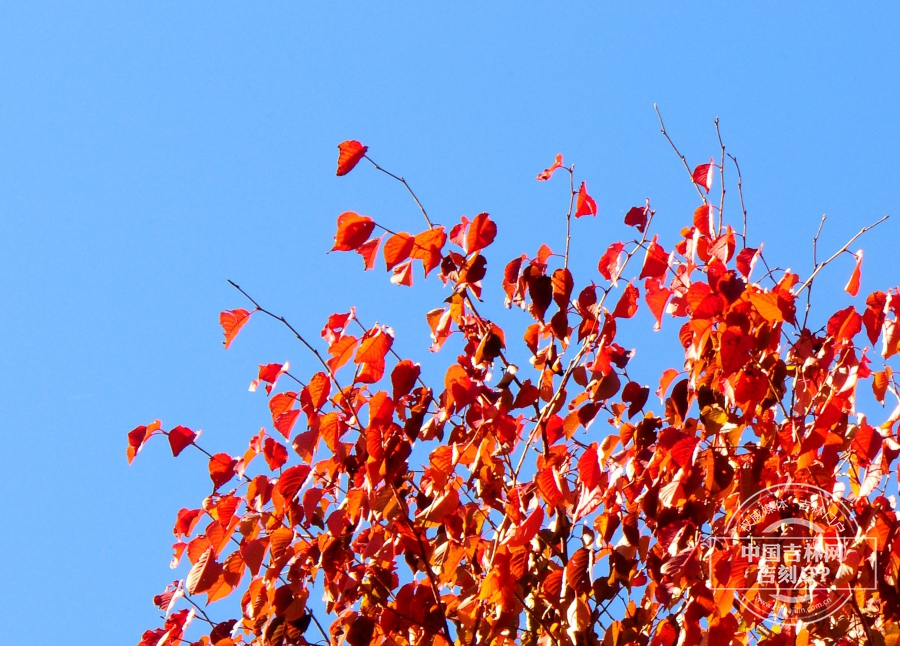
721, 177
837, 253
680, 156
741, 194
403, 181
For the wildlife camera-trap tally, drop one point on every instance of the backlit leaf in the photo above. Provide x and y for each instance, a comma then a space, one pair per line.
584, 203
482, 232
350, 153
547, 173
232, 321
352, 231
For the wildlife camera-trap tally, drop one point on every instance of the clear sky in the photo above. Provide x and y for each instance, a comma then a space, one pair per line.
150, 151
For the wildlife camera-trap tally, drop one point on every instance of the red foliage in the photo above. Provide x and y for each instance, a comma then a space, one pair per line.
482, 503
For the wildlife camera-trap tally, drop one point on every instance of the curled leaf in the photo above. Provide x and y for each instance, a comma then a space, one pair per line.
350, 153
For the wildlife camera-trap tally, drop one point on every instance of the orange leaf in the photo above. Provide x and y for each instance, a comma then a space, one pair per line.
204, 573
284, 423
852, 287
403, 274
316, 391
702, 220
352, 231
397, 249
584, 203
767, 306
341, 351
547, 173
369, 250
482, 232
349, 155
281, 403
546, 482
428, 246
232, 321
375, 344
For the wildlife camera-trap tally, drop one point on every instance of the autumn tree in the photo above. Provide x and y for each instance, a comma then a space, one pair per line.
538, 494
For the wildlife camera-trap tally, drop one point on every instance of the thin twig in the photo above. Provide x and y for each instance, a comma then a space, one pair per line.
815, 264
569, 212
677, 152
403, 181
837, 253
740, 184
721, 177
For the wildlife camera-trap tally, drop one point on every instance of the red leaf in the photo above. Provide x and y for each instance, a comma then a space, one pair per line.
269, 374
180, 438
874, 316
589, 467
584, 204
746, 260
546, 482
703, 175
702, 220
547, 173
337, 325
369, 250
656, 262
636, 396
845, 324
627, 305
866, 444
352, 231
637, 217
852, 287
403, 378
221, 469
275, 453
403, 274
611, 262
138, 437
482, 232
350, 154
232, 321
656, 297
291, 480
683, 450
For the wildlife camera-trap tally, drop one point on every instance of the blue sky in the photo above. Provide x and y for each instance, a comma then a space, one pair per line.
150, 151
